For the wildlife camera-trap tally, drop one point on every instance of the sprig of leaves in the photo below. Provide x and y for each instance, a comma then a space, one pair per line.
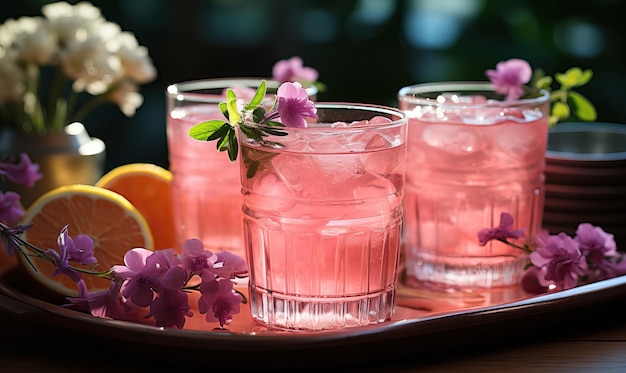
224, 131
565, 101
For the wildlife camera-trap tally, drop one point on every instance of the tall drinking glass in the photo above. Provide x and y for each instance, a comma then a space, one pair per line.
323, 215
206, 194
471, 156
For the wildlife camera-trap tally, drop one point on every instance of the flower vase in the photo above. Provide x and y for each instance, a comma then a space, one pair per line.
67, 157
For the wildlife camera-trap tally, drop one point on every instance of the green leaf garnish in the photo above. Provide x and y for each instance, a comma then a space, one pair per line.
258, 96
583, 108
205, 131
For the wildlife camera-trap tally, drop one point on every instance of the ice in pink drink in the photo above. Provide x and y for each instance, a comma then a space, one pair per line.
323, 228
205, 184
464, 168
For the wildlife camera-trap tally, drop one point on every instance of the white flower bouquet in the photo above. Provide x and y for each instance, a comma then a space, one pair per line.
57, 68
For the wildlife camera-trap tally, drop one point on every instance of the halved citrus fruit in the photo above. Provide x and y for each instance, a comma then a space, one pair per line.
148, 187
114, 224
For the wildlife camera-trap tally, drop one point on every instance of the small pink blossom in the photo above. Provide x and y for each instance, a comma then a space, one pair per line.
294, 105
11, 211
170, 308
107, 304
218, 296
198, 260
24, 172
509, 77
229, 265
561, 258
293, 70
600, 250
501, 232
141, 277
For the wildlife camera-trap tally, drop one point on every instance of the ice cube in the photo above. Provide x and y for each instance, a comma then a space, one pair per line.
452, 139
518, 141
491, 115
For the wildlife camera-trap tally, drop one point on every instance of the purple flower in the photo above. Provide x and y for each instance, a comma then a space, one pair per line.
501, 232
229, 265
561, 259
11, 211
509, 77
218, 296
170, 308
294, 105
107, 304
141, 278
24, 173
600, 250
80, 251
293, 70
198, 260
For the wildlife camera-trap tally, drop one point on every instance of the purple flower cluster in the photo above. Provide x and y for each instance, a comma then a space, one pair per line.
22, 172
560, 262
160, 281
157, 280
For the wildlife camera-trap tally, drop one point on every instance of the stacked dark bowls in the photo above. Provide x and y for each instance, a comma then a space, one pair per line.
586, 178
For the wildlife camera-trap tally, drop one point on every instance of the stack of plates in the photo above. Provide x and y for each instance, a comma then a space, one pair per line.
586, 178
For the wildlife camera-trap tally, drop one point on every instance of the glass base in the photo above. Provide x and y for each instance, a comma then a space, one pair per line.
305, 313
451, 274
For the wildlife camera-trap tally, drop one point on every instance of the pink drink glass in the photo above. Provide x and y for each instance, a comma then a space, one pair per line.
323, 216
206, 193
469, 159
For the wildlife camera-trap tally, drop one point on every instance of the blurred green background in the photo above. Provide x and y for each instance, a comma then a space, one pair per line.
365, 50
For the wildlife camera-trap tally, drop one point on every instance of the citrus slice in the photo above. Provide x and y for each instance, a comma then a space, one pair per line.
114, 224
148, 187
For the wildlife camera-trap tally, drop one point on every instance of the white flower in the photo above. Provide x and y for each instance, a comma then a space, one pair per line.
66, 19
94, 56
135, 61
126, 96
31, 39
11, 77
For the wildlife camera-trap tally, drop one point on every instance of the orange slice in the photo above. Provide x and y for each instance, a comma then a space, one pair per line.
148, 187
114, 224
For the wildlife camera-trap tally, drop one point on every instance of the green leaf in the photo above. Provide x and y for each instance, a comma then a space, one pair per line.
221, 132
583, 108
202, 131
233, 146
258, 96
544, 82
560, 110
223, 108
231, 106
574, 77
258, 114
275, 132
251, 133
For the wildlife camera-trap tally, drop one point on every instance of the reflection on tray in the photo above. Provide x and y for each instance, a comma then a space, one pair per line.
412, 302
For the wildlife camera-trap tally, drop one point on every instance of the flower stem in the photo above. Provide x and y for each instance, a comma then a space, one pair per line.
23, 245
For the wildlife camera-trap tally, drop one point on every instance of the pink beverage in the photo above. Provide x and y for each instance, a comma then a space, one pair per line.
470, 158
323, 216
206, 193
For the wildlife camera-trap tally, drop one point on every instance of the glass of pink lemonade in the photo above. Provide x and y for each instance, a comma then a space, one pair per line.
206, 193
471, 156
322, 216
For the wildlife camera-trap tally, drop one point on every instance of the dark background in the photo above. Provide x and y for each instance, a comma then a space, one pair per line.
365, 50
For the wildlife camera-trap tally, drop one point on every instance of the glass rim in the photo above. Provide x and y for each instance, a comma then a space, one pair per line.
185, 91
407, 94
399, 118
